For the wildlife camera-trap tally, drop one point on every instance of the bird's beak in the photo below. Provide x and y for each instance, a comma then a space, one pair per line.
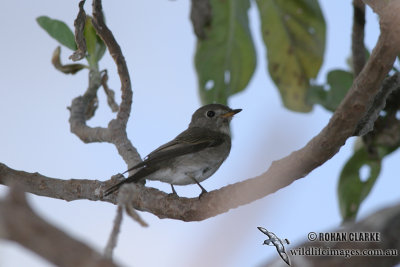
231, 113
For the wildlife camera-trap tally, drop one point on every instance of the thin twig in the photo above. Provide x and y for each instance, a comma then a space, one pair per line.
109, 92
79, 24
125, 196
82, 107
366, 124
112, 240
117, 126
116, 53
357, 44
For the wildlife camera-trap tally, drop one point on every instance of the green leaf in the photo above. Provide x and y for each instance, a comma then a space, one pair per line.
100, 48
90, 38
351, 189
338, 83
58, 30
225, 60
294, 34
94, 45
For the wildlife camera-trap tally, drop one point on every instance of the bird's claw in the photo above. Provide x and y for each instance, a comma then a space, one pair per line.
203, 192
173, 194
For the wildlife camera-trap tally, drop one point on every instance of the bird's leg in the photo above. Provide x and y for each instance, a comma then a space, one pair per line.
202, 188
173, 190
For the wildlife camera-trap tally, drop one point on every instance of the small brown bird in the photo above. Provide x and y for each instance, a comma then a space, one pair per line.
193, 156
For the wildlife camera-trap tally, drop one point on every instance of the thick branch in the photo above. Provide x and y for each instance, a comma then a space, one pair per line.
19, 223
41, 185
377, 5
78, 124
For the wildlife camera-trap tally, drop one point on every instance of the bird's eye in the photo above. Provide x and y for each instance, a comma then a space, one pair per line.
210, 113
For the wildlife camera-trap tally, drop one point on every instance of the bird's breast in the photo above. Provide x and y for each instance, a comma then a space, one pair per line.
199, 165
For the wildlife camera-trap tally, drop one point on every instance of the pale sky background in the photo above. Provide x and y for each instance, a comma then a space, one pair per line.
158, 43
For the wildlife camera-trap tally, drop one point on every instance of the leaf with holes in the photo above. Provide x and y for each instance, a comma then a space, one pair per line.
58, 30
352, 189
225, 59
294, 34
338, 83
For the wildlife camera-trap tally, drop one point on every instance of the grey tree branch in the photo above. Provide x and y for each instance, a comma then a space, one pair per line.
116, 53
35, 183
386, 222
117, 126
366, 124
115, 133
19, 223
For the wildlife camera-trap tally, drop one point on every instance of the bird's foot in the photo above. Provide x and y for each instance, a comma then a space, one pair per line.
203, 192
173, 192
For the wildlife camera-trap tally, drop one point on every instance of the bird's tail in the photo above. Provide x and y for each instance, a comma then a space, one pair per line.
139, 175
114, 188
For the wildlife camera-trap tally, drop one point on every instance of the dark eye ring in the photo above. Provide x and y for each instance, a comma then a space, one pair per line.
210, 113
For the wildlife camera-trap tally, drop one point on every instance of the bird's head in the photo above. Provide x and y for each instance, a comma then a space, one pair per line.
215, 117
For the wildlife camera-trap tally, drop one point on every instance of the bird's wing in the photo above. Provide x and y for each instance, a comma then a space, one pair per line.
134, 178
189, 141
